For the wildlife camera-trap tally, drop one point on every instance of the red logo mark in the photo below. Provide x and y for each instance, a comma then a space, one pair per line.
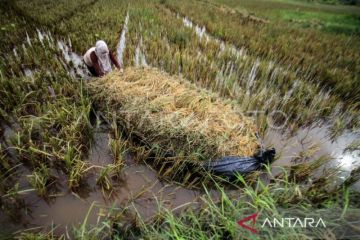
253, 217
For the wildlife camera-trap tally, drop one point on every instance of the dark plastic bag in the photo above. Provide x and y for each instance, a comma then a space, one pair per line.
232, 165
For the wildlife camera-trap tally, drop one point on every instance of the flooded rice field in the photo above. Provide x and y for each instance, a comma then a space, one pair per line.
138, 192
201, 33
313, 142
71, 61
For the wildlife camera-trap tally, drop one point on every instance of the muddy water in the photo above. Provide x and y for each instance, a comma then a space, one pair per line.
139, 190
72, 59
140, 58
73, 62
122, 39
317, 141
203, 34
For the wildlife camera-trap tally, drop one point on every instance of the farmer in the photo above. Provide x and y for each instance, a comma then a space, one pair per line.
98, 59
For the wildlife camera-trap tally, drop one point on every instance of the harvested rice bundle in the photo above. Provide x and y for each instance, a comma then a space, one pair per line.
174, 117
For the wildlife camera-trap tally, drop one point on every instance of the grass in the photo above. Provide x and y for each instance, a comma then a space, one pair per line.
104, 179
334, 23
47, 12
349, 2
39, 180
261, 7
332, 19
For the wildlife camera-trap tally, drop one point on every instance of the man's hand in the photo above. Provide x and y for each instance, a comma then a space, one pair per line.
120, 70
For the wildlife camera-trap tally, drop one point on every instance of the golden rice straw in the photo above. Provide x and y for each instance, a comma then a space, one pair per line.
175, 116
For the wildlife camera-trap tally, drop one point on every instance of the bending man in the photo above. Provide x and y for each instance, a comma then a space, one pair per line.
98, 59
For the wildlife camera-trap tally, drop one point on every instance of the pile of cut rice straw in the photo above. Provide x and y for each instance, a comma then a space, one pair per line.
172, 115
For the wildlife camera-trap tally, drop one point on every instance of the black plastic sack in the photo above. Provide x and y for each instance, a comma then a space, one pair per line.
232, 165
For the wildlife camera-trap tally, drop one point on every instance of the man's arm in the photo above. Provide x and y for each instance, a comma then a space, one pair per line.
114, 60
96, 65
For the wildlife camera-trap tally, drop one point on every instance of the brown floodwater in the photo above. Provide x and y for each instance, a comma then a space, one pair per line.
312, 142
138, 190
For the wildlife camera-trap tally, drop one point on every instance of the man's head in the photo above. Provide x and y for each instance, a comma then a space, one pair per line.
101, 49
102, 53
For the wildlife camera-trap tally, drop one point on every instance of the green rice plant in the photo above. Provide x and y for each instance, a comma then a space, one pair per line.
70, 155
104, 24
139, 153
218, 21
53, 129
117, 143
104, 178
118, 148
352, 179
302, 171
77, 174
40, 180
203, 72
353, 146
49, 12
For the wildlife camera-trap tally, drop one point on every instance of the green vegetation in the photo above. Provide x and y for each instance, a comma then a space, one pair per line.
296, 48
301, 59
48, 12
331, 23
331, 19
48, 114
349, 2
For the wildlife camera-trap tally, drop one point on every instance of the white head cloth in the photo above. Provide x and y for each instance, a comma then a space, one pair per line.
102, 52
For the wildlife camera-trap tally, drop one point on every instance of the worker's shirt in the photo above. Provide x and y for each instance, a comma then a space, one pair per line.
87, 58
